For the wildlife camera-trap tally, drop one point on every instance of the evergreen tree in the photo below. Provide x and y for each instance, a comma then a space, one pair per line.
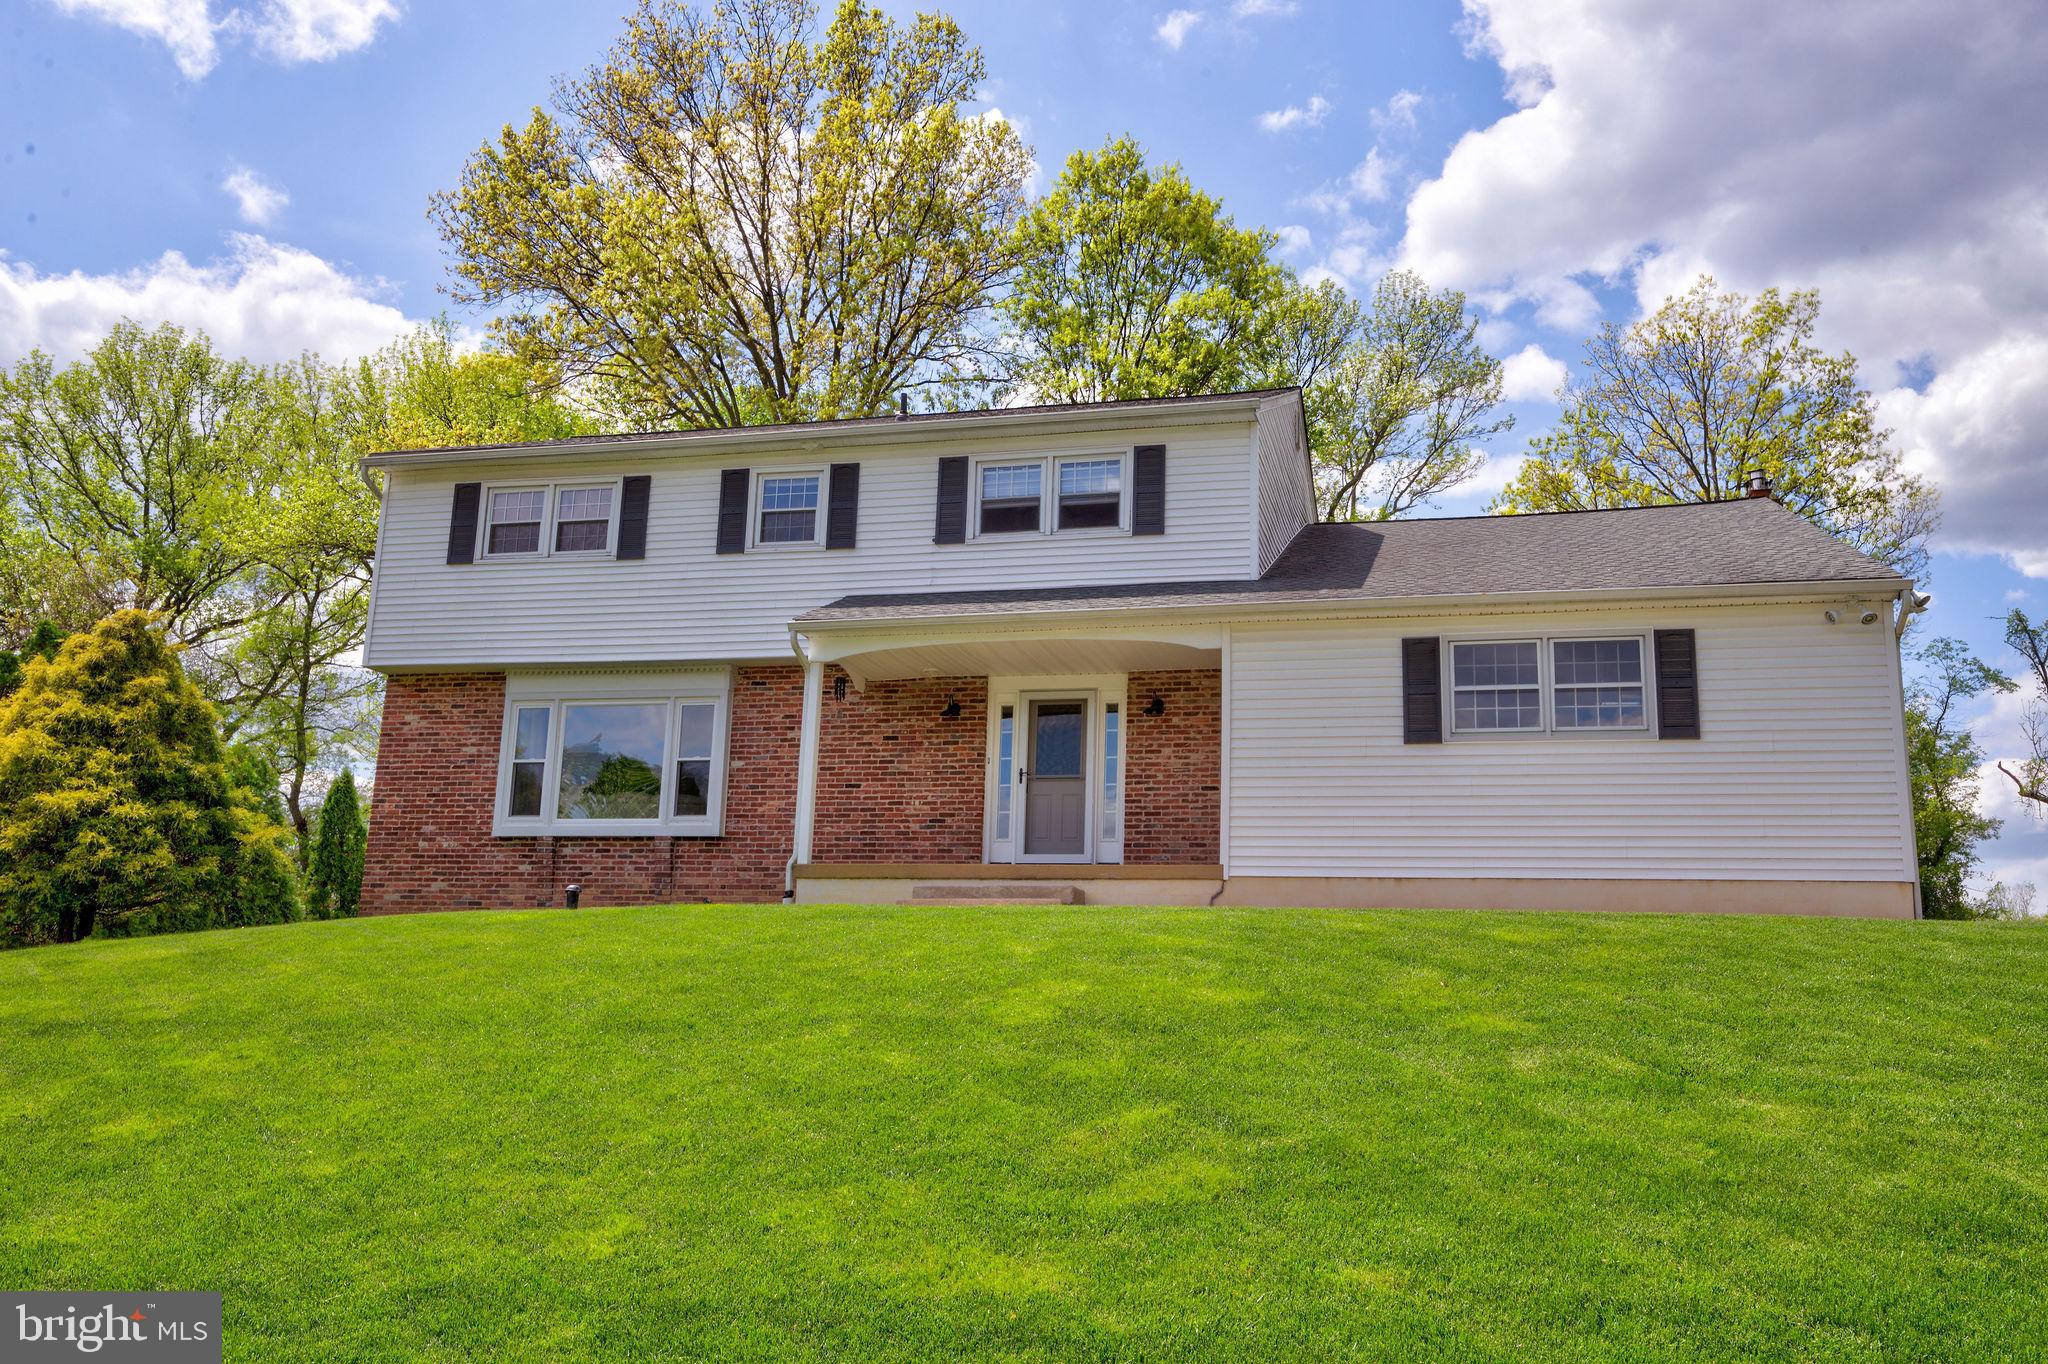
115, 804
334, 882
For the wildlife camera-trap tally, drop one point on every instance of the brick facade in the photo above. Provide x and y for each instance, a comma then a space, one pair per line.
437, 772
898, 782
1173, 767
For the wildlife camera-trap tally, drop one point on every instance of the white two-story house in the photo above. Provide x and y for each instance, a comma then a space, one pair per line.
1103, 652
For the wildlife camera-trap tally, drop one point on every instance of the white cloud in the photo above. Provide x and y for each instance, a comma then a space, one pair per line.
1398, 114
1829, 160
263, 300
184, 26
1293, 239
1370, 178
287, 31
317, 30
1173, 27
1310, 115
256, 199
1264, 9
1531, 375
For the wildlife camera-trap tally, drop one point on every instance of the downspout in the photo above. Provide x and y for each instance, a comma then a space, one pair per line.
806, 767
1911, 604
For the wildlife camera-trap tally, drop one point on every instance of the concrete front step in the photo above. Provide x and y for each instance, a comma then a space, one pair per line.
1007, 892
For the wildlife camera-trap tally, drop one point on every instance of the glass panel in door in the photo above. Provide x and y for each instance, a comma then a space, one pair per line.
1056, 792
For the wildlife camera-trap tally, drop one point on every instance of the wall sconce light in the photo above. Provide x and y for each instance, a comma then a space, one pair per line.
1156, 706
839, 687
952, 710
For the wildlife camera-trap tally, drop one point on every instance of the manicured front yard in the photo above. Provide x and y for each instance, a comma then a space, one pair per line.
862, 1133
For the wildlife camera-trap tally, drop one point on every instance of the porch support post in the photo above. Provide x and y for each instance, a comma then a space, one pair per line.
807, 759
1223, 762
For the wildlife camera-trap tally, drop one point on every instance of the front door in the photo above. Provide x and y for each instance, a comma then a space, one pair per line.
1055, 780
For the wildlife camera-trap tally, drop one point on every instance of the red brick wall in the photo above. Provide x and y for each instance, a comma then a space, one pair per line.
897, 783
437, 772
1173, 767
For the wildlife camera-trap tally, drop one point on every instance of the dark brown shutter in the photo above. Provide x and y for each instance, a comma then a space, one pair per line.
462, 523
950, 528
633, 517
1678, 685
732, 511
843, 514
1422, 690
1148, 490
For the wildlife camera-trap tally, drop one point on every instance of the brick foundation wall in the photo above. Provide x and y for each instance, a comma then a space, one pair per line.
1173, 767
437, 771
896, 782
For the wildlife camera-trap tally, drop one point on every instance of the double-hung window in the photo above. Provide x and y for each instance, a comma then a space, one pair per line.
618, 759
1050, 495
535, 520
786, 508
1548, 684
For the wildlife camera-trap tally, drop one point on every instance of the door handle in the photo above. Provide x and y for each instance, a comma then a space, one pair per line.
1022, 775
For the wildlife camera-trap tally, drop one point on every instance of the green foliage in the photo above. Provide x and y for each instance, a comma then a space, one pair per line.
115, 801
334, 882
1943, 758
42, 642
2029, 773
726, 222
1398, 393
1132, 283
1681, 405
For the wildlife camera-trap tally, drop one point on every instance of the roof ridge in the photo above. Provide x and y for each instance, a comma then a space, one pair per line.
1563, 511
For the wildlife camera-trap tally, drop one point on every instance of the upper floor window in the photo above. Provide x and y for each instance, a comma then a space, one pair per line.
1011, 497
1531, 685
550, 518
1050, 495
786, 509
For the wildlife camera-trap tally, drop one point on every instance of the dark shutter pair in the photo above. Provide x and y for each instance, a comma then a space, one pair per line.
1148, 495
842, 508
462, 522
1677, 678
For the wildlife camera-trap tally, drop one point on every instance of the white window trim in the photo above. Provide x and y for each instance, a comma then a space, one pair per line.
1546, 686
1049, 494
692, 690
551, 491
754, 509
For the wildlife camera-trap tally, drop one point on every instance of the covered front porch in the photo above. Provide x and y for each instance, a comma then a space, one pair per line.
984, 762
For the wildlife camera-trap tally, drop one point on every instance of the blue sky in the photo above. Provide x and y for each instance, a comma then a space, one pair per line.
262, 169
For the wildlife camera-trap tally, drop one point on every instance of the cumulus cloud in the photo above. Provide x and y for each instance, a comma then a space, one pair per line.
287, 31
1310, 115
1264, 9
263, 299
1531, 375
1174, 26
256, 199
1398, 113
1890, 162
1292, 239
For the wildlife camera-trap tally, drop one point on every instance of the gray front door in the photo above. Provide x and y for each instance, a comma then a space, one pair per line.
1056, 789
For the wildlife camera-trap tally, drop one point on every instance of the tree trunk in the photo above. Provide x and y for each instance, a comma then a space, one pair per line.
85, 918
67, 924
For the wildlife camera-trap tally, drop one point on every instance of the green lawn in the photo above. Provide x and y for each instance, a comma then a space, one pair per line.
860, 1133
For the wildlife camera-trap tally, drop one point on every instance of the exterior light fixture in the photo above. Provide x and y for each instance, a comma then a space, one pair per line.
952, 710
571, 895
839, 687
1156, 706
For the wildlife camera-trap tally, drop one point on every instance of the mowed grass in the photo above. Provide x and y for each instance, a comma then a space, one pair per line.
1031, 1133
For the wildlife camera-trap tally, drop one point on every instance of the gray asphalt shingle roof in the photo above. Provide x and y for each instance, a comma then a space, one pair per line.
1748, 542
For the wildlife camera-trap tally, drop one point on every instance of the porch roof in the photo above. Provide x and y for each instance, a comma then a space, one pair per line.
1750, 542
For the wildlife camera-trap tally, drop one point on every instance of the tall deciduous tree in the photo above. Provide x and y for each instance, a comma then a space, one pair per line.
728, 223
1942, 762
1132, 283
115, 801
2029, 774
1399, 393
1681, 405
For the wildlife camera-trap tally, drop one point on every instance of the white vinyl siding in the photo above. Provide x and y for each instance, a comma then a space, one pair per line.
1281, 490
1798, 773
684, 602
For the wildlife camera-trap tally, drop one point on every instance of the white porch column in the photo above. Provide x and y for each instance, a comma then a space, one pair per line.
807, 759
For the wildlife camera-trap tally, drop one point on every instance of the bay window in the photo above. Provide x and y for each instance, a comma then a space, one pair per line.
613, 756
